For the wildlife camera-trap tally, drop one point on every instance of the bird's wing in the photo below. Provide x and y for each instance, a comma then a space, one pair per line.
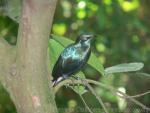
72, 60
58, 67
57, 70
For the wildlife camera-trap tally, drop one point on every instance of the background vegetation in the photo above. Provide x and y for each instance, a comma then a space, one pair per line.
123, 35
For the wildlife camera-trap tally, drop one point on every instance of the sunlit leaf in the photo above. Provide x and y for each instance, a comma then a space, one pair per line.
93, 60
107, 2
129, 5
81, 13
81, 4
59, 29
125, 67
100, 47
92, 6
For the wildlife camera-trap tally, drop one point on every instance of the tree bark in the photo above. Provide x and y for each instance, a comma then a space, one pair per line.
24, 69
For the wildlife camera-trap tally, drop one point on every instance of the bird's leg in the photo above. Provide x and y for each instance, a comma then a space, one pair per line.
71, 78
77, 78
66, 85
78, 84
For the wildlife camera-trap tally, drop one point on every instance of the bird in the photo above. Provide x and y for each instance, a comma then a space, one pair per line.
73, 58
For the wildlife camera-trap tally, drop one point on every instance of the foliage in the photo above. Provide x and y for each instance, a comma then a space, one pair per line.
122, 28
126, 67
122, 36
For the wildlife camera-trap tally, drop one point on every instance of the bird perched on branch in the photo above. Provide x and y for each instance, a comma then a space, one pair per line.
72, 59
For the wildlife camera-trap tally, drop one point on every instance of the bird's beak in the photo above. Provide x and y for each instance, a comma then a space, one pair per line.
91, 37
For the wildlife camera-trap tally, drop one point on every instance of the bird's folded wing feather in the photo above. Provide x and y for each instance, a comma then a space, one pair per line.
72, 60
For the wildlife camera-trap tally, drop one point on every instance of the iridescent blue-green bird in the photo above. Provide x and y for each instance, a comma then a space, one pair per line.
72, 59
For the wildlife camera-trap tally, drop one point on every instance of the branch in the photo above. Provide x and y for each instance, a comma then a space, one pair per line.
7, 57
3, 51
94, 93
85, 104
140, 95
114, 91
26, 76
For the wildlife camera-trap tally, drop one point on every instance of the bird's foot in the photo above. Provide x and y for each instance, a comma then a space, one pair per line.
67, 85
73, 83
78, 85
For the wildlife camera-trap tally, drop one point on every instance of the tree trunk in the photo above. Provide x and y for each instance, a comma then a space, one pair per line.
24, 69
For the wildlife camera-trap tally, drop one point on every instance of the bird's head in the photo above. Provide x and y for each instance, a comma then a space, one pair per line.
85, 39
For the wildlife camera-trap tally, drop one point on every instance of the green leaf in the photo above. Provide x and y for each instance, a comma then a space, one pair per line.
125, 67
96, 64
93, 60
62, 40
54, 51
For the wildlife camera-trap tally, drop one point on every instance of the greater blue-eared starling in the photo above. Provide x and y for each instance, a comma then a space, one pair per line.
73, 58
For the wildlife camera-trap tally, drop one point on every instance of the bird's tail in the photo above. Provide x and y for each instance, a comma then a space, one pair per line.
54, 82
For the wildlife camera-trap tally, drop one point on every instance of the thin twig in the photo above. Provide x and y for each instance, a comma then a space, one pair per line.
95, 94
85, 104
113, 90
140, 95
125, 96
